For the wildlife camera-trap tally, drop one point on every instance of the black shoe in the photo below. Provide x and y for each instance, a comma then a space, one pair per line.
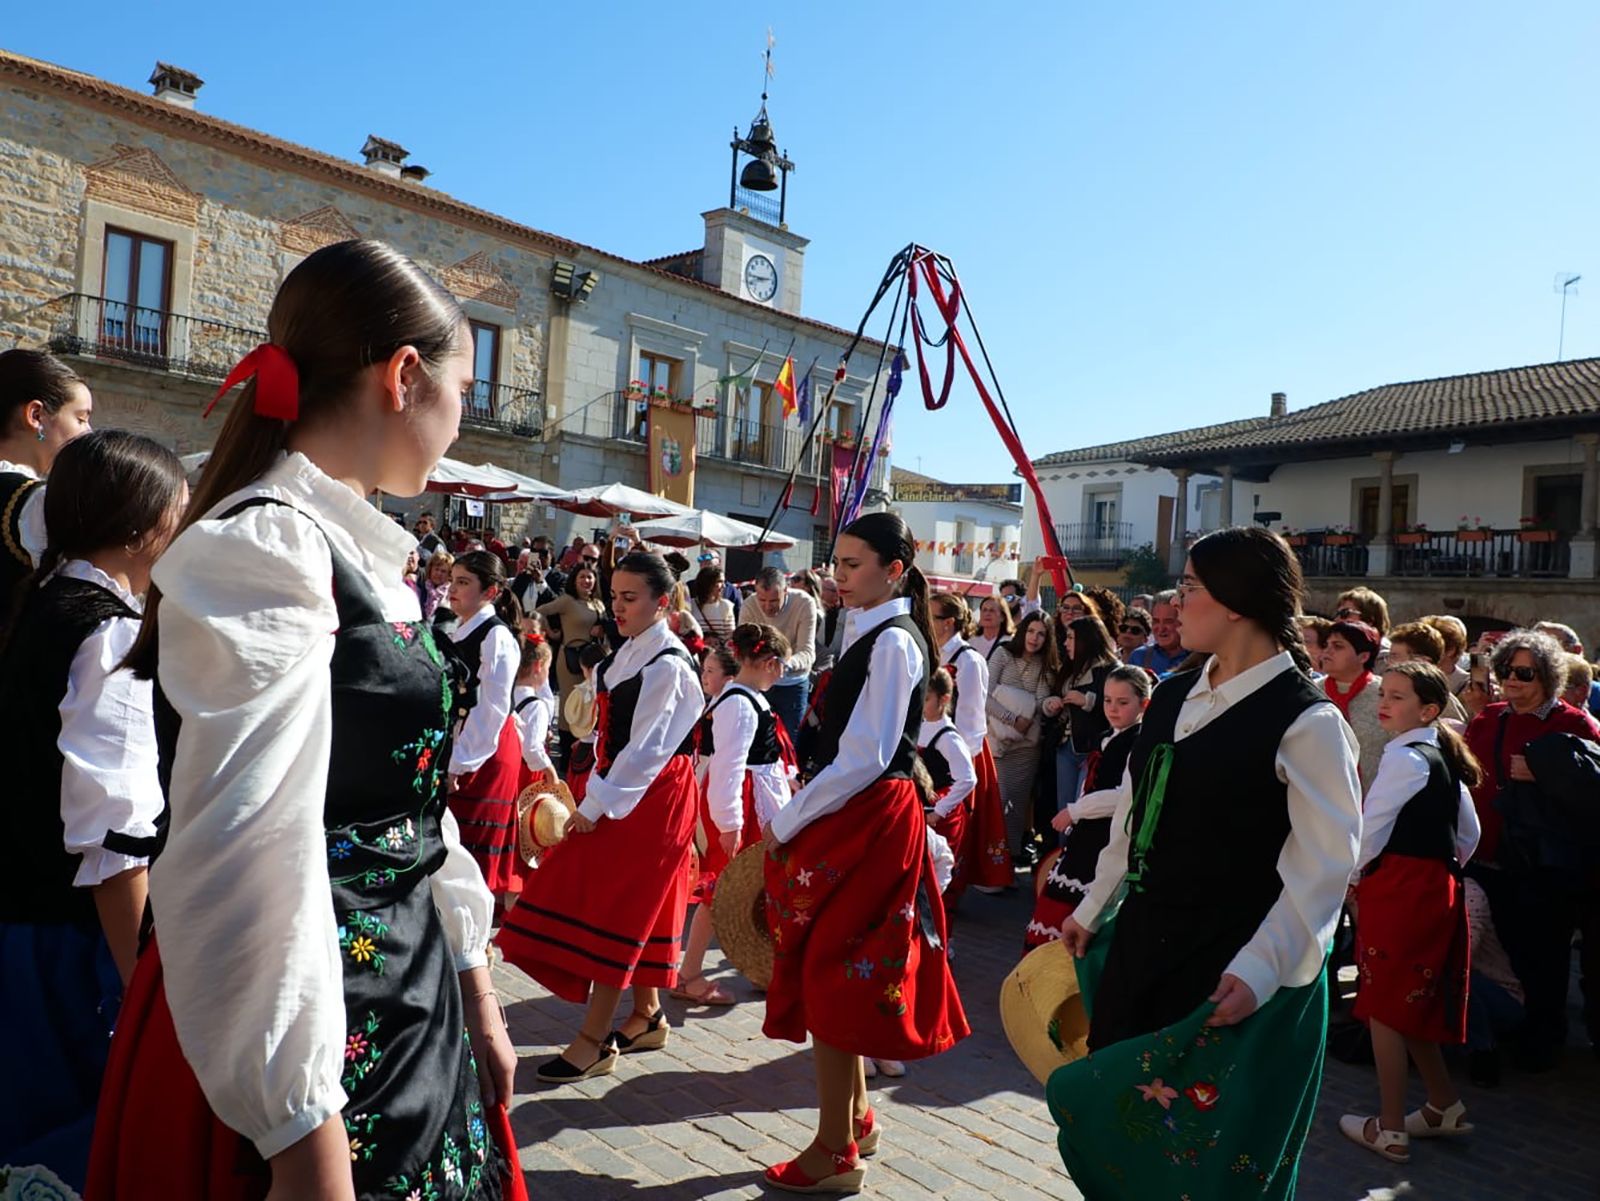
562, 1070
1483, 1068
1027, 856
652, 1038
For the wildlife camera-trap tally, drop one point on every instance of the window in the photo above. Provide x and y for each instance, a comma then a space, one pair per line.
1399, 507
749, 422
966, 538
657, 372
485, 368
137, 279
819, 546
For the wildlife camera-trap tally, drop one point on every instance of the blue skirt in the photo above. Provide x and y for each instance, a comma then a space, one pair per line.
59, 994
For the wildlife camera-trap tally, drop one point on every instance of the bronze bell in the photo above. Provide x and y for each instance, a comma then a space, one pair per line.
762, 141
758, 176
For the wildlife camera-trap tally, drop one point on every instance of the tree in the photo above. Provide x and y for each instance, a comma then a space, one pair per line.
1145, 570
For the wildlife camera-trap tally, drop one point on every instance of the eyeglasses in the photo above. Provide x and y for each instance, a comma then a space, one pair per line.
1526, 674
1188, 585
1130, 628
587, 559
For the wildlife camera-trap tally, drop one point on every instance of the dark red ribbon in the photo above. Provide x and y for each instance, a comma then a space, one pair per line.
277, 382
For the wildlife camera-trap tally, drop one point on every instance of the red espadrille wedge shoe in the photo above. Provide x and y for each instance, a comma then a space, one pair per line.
848, 1174
868, 1134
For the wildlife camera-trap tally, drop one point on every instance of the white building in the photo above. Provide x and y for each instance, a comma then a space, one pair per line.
966, 533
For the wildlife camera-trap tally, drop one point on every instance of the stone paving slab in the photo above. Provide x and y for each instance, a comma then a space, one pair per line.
702, 1118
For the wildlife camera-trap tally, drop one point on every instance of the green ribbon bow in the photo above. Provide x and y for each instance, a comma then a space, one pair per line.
1149, 793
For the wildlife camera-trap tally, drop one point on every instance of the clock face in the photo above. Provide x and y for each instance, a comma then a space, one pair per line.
761, 278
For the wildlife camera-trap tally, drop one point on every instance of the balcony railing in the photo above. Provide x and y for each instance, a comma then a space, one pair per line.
625, 417
503, 408
1092, 543
1463, 554
94, 327
1331, 554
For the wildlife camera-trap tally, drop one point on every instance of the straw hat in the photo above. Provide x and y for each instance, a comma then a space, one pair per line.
579, 710
739, 915
543, 811
1041, 1010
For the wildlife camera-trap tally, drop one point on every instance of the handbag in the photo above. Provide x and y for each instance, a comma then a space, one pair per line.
572, 652
1016, 700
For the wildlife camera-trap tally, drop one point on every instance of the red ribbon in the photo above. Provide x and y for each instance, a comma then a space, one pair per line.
277, 382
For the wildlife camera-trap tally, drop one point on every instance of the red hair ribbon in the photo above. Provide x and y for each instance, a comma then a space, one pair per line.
277, 382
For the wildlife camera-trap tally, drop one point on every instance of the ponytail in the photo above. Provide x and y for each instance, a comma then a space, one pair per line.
915, 585
1432, 688
1289, 638
1459, 756
509, 609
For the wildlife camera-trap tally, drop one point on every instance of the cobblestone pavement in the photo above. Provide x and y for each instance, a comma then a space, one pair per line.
703, 1117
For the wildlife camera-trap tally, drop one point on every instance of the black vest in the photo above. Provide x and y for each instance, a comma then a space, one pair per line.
1426, 826
1113, 760
15, 562
621, 702
935, 761
764, 749
966, 648
469, 653
849, 678
54, 621
1226, 813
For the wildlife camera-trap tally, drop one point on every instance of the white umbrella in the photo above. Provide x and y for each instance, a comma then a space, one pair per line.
618, 500
521, 487
700, 528
463, 479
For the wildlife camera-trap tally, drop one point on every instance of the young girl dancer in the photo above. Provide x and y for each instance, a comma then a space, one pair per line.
43, 406
85, 802
583, 699
949, 763
1086, 823
313, 884
988, 853
858, 936
749, 762
486, 762
1419, 827
576, 931
532, 709
1207, 990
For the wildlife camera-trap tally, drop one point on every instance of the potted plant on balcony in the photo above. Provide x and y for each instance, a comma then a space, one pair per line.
1296, 537
1338, 535
1476, 531
1536, 529
634, 390
1413, 535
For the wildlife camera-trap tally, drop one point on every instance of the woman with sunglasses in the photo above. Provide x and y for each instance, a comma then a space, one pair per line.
1533, 906
1231, 848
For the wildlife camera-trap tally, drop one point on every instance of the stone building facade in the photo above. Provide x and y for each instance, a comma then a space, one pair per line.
145, 239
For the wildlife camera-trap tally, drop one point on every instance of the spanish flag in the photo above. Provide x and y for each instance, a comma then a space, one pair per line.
784, 387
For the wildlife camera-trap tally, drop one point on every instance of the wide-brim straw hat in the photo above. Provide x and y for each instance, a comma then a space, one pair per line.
579, 711
739, 915
544, 811
1042, 1012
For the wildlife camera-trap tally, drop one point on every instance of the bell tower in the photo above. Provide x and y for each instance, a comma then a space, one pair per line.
749, 251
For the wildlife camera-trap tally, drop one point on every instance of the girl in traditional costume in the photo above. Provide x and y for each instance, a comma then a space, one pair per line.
313, 886
534, 709
85, 802
1419, 828
859, 959
749, 762
1231, 847
581, 929
944, 752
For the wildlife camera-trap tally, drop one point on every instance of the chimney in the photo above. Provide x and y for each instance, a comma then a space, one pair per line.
383, 156
1280, 404
414, 173
175, 85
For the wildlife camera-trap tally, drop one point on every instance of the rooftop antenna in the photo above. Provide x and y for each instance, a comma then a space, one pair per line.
1567, 284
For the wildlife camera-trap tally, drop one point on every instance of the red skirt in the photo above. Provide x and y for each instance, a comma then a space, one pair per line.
852, 964
954, 829
1413, 952
485, 805
716, 860
607, 907
988, 856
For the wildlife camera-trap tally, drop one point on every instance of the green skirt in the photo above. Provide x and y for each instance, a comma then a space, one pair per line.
1190, 1112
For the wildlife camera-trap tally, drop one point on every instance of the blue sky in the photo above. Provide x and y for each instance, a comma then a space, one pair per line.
1162, 212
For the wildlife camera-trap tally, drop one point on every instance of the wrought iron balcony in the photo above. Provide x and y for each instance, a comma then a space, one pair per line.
1096, 543
503, 408
1459, 554
94, 327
